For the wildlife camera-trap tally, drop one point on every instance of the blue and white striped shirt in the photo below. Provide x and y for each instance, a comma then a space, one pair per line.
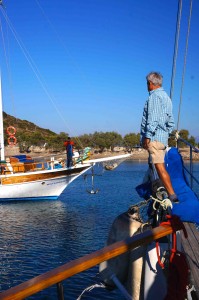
157, 120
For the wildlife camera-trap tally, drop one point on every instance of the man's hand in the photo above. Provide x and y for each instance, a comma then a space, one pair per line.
146, 143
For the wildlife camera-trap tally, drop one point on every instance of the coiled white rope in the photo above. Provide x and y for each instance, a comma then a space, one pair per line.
164, 203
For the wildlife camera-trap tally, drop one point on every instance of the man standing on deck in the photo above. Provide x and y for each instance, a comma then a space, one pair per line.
157, 124
69, 152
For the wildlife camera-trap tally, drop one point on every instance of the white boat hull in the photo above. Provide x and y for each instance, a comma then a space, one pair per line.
154, 279
43, 188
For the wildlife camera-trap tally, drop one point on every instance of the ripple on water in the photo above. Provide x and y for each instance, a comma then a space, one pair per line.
36, 237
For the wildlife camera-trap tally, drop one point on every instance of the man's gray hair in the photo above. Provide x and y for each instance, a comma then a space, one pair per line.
155, 77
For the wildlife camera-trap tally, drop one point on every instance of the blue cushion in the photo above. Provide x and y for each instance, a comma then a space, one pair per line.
188, 207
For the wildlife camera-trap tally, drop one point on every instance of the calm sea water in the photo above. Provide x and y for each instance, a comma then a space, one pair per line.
36, 237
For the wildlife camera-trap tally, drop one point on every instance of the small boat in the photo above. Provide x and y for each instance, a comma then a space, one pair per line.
111, 167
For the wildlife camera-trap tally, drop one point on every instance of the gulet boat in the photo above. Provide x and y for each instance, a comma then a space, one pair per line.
33, 181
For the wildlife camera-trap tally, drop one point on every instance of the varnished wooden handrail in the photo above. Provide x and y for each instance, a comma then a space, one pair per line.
88, 261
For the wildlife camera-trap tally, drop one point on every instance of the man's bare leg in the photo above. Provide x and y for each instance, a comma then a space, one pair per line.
164, 176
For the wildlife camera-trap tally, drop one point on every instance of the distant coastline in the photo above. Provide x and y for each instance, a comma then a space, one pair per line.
142, 154
137, 154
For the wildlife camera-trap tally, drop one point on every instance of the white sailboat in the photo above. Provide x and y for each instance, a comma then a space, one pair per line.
36, 181
37, 184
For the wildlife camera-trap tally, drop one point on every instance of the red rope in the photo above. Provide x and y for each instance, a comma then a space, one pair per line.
176, 224
178, 268
158, 254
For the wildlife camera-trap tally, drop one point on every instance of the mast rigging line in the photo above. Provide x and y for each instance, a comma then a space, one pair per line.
72, 60
179, 14
33, 66
185, 60
8, 68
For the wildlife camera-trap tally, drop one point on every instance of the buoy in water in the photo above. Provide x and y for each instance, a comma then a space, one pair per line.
93, 191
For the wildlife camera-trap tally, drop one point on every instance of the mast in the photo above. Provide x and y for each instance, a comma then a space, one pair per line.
2, 154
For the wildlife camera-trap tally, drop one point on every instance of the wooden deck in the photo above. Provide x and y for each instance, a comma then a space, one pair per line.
191, 248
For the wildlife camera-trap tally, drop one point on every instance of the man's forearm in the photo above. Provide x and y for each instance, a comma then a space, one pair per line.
146, 142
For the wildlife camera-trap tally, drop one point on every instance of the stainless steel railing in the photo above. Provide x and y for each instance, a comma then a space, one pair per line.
190, 170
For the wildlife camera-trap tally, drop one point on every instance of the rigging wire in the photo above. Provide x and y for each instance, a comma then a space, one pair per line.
178, 22
7, 66
34, 67
185, 60
72, 60
61, 41
69, 54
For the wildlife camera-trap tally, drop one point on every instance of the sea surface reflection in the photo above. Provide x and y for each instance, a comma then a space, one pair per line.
37, 236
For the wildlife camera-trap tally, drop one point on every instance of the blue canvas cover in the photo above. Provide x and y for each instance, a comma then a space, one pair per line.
144, 190
188, 207
23, 158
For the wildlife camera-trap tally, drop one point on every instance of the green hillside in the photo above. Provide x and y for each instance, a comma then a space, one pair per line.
28, 133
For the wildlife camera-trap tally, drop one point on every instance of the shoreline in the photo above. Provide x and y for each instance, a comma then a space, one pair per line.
136, 154
142, 155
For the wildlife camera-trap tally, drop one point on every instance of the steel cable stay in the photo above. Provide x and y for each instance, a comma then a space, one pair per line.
185, 61
7, 64
34, 68
165, 204
74, 63
176, 47
71, 57
175, 56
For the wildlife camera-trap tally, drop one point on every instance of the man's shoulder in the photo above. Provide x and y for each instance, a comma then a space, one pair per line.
159, 93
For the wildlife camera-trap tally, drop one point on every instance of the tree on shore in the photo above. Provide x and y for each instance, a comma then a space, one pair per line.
29, 134
131, 140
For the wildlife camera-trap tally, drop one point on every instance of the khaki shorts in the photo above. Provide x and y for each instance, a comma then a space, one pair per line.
157, 151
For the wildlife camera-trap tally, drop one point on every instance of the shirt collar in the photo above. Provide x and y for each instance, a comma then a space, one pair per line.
159, 89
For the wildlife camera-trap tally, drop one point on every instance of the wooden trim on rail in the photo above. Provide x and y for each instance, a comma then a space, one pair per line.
28, 177
88, 261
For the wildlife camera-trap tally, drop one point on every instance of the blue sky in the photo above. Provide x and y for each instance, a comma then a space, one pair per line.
79, 66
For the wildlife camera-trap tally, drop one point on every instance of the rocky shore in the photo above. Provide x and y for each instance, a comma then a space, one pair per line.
185, 153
